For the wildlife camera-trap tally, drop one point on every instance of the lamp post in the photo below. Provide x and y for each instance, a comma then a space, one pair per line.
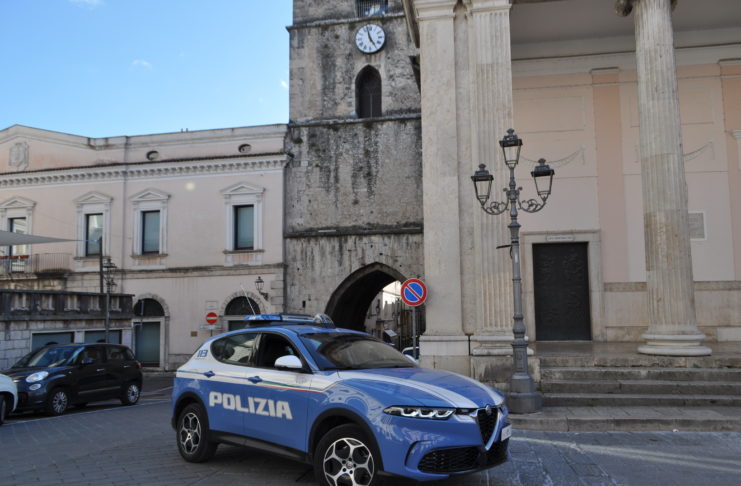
109, 267
259, 285
522, 396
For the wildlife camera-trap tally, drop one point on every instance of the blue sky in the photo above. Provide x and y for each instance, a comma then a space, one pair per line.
102, 68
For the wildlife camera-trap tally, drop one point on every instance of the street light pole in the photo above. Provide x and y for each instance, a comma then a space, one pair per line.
109, 266
522, 396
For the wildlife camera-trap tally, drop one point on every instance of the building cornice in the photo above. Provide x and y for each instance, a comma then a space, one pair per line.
146, 170
262, 132
354, 121
354, 20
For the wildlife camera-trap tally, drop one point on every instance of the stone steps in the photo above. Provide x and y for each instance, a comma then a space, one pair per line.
631, 418
642, 387
639, 373
638, 400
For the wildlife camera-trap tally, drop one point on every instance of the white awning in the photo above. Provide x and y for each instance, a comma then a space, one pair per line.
9, 238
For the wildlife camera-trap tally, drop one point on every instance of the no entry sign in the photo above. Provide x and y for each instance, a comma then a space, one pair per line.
212, 317
413, 292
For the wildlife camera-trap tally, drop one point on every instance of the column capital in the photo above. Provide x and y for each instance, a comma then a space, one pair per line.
434, 9
478, 6
624, 7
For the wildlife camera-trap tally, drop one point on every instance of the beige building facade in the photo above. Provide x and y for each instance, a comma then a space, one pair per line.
570, 85
190, 220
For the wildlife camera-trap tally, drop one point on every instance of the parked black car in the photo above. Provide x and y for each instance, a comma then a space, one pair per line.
55, 377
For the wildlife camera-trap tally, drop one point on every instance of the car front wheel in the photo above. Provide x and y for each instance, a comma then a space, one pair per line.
58, 402
192, 435
345, 457
130, 394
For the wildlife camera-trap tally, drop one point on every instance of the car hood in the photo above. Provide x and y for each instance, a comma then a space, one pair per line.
424, 386
16, 373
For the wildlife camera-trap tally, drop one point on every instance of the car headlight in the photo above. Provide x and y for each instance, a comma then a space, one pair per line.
37, 376
433, 413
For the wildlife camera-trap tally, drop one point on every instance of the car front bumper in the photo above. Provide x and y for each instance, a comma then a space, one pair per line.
428, 450
29, 399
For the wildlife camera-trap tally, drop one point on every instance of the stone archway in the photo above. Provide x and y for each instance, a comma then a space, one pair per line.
350, 301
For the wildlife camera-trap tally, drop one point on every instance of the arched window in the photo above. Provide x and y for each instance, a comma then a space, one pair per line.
368, 93
369, 8
242, 306
236, 309
148, 308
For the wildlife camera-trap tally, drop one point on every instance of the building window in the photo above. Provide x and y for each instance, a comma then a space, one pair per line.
93, 222
150, 231
369, 8
93, 233
20, 226
16, 216
244, 227
243, 203
150, 222
368, 93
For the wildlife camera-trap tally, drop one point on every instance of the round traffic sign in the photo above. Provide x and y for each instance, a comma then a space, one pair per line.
212, 318
413, 292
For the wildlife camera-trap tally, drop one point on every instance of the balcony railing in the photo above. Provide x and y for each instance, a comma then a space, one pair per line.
37, 263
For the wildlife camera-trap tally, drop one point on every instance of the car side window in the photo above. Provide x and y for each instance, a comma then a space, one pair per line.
92, 352
115, 354
272, 347
235, 349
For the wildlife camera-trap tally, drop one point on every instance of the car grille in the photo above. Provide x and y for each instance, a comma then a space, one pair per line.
487, 422
497, 454
450, 460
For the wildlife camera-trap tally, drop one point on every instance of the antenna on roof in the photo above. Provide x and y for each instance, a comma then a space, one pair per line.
249, 301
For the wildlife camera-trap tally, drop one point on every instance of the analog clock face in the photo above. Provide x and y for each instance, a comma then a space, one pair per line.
370, 38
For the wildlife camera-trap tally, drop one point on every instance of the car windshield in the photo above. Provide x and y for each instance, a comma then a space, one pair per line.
350, 351
48, 357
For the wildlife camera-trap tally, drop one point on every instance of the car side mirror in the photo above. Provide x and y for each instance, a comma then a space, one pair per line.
290, 362
87, 361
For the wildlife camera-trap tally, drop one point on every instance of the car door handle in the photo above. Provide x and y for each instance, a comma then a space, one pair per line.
209, 374
100, 369
255, 379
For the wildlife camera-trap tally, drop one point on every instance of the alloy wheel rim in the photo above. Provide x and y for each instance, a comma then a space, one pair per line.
132, 393
190, 433
348, 462
59, 402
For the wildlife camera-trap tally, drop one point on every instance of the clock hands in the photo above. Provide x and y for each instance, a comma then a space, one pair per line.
368, 34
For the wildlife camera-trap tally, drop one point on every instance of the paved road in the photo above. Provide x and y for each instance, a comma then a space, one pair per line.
112, 445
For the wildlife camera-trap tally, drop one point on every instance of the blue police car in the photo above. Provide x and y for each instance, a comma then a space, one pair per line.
341, 400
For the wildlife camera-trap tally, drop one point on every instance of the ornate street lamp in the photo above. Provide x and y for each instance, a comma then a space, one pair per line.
259, 285
522, 396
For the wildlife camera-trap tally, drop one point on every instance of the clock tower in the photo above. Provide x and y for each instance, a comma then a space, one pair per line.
354, 185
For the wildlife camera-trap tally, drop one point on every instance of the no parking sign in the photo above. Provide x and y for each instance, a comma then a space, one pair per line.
413, 292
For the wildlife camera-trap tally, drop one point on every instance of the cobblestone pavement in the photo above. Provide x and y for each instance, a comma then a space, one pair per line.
111, 445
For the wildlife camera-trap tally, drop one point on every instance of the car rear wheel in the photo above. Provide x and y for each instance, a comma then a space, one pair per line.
4, 408
57, 402
345, 457
130, 394
192, 435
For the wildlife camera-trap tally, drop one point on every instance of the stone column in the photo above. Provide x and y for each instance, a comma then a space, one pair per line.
672, 328
444, 345
491, 116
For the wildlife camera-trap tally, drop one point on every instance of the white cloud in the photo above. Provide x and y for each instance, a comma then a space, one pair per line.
283, 84
87, 3
141, 63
